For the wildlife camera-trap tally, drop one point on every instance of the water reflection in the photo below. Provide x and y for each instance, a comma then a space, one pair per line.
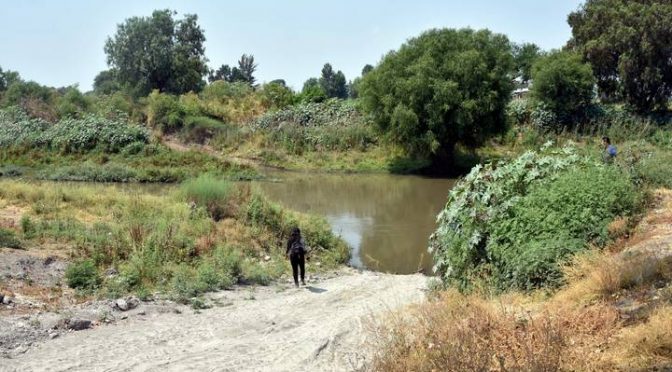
386, 219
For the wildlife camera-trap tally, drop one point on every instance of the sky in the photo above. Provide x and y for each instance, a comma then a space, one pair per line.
60, 43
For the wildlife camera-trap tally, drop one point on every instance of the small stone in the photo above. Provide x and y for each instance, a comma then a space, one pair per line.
111, 272
2, 298
142, 312
7, 300
79, 324
132, 302
124, 317
267, 258
318, 264
53, 335
121, 304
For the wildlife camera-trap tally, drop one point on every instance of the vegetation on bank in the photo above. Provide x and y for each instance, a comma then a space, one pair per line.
207, 234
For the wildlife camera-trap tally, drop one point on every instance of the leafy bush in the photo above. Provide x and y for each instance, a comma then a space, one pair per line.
656, 169
210, 193
330, 125
165, 112
8, 239
488, 195
82, 275
555, 219
68, 135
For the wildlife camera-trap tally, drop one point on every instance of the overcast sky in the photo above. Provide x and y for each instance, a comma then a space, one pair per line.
60, 43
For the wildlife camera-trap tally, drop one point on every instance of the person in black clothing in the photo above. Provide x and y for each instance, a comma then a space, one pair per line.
296, 252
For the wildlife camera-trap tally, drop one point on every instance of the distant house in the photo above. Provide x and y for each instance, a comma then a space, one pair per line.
522, 88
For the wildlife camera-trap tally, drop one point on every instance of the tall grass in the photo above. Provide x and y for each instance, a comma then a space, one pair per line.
210, 193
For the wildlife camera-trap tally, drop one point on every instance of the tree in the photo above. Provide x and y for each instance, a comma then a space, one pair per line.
246, 66
563, 84
333, 83
627, 43
366, 69
312, 91
524, 56
277, 95
7, 78
158, 52
243, 73
439, 89
106, 82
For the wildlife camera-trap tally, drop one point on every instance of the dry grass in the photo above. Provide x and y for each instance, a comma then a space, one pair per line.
469, 333
645, 346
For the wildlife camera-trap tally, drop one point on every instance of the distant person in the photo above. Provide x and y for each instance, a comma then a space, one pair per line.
296, 251
609, 150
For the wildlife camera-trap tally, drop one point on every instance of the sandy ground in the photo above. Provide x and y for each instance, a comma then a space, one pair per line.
322, 327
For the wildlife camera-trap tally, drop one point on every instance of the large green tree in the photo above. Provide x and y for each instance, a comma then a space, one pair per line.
442, 88
563, 84
7, 78
158, 52
629, 44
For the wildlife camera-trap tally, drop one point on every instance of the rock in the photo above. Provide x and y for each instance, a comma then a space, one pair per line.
79, 324
124, 317
142, 312
2, 298
133, 302
267, 258
7, 300
111, 272
53, 335
121, 304
49, 260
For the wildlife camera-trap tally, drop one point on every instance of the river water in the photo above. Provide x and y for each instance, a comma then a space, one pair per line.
386, 219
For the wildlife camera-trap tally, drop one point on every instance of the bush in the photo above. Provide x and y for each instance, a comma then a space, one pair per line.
164, 112
500, 211
82, 275
656, 169
8, 239
528, 244
185, 284
210, 193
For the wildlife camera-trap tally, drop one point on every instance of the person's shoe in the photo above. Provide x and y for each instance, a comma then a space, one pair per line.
303, 282
296, 284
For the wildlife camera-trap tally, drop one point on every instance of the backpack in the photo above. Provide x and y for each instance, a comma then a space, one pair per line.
297, 248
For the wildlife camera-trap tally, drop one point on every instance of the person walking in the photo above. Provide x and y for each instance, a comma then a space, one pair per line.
296, 252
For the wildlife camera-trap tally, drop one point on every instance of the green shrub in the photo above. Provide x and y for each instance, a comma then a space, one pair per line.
512, 203
82, 275
212, 277
184, 284
200, 128
656, 168
527, 244
255, 273
210, 193
165, 112
8, 239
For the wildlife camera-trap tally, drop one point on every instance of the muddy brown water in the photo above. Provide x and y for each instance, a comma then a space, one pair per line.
386, 219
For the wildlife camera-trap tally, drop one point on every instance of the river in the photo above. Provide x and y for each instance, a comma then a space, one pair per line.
386, 219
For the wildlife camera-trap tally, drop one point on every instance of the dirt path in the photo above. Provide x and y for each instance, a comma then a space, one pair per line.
317, 328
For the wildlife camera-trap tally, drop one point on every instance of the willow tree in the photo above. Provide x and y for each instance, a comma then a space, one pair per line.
442, 88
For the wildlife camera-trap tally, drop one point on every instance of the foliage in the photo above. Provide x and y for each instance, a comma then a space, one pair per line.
72, 103
554, 220
8, 239
158, 52
333, 83
627, 44
210, 193
330, 125
244, 73
82, 275
482, 198
442, 88
165, 112
106, 82
524, 57
277, 96
312, 91
563, 84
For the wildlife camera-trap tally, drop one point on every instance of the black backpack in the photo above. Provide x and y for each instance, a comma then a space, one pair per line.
297, 247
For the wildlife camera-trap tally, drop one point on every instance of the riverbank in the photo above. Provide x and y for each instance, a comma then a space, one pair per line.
613, 313
319, 327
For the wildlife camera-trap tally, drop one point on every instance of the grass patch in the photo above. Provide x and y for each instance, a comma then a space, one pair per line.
8, 239
210, 193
